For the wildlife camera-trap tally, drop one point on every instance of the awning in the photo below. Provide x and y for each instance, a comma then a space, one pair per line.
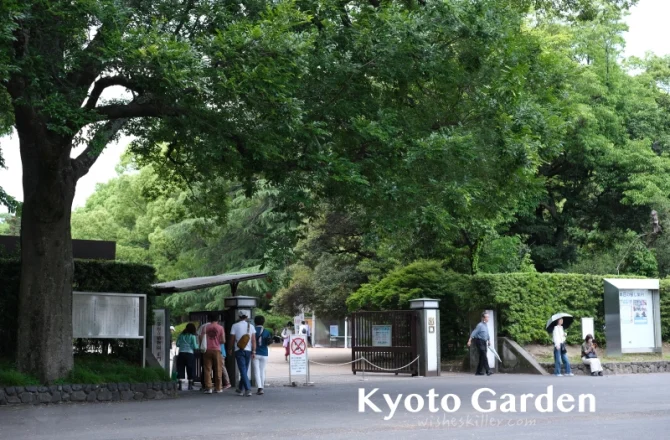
188, 284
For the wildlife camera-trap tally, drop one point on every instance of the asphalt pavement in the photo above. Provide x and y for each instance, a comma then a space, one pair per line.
625, 407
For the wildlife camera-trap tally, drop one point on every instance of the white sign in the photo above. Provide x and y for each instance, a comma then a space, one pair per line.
588, 328
108, 315
381, 335
158, 337
298, 354
637, 321
491, 325
334, 331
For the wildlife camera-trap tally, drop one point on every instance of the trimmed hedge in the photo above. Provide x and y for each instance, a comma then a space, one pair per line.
524, 301
89, 276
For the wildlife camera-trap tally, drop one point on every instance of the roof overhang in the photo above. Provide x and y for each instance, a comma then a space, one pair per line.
188, 284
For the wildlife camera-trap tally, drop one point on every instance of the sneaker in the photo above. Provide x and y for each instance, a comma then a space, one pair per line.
219, 391
559, 375
225, 387
569, 374
260, 391
208, 391
239, 393
247, 394
600, 373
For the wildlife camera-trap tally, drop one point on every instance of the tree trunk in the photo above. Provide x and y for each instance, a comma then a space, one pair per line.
45, 302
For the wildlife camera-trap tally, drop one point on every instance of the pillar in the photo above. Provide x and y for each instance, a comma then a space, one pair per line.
428, 332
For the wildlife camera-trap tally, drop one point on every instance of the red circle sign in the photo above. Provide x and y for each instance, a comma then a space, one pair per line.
298, 346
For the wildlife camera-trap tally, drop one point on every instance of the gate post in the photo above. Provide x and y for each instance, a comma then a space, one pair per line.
428, 332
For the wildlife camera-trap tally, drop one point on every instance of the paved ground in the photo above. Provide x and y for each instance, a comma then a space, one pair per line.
627, 407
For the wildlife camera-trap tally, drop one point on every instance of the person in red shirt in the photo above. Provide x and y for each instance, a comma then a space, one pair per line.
213, 335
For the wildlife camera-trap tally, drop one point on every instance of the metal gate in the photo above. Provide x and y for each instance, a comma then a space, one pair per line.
387, 340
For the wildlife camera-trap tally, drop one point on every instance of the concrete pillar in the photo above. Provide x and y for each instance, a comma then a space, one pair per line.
428, 332
233, 304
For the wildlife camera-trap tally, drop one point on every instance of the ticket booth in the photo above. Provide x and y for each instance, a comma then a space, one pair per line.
632, 316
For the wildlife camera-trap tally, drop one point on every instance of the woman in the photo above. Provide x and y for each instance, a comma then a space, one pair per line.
286, 336
187, 345
559, 343
590, 356
263, 339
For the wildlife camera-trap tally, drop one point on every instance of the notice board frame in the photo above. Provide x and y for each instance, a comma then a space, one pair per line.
142, 324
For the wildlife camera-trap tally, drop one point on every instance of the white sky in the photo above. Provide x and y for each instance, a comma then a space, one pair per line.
648, 33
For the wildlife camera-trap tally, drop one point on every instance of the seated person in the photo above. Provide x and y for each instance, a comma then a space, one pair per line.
590, 357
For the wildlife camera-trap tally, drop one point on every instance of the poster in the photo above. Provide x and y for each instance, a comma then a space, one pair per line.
381, 336
334, 331
640, 311
626, 311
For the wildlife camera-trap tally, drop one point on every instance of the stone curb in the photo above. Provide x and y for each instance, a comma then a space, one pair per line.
111, 392
617, 367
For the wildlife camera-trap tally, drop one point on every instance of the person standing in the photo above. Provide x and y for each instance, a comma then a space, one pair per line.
560, 352
187, 344
263, 339
243, 344
306, 331
212, 335
286, 337
481, 337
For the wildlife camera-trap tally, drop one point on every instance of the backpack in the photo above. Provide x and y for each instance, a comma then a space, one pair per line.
303, 330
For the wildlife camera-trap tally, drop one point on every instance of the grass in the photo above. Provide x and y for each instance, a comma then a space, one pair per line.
88, 369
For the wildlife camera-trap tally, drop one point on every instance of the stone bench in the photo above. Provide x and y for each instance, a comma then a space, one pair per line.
616, 367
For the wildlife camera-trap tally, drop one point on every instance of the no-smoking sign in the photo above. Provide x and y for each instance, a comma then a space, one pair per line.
298, 355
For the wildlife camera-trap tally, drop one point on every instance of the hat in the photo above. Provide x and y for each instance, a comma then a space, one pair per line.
243, 313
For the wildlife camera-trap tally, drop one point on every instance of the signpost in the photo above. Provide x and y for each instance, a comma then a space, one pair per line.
298, 360
381, 336
160, 338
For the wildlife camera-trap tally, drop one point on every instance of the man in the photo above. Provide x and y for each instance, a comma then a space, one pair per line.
481, 337
244, 355
213, 335
305, 330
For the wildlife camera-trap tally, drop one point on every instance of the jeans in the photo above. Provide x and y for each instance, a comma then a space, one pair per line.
186, 361
558, 357
243, 358
259, 364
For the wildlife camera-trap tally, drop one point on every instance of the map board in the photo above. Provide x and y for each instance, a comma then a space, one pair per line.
108, 315
381, 335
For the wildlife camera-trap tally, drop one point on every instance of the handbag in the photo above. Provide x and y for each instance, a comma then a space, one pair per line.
244, 340
563, 349
203, 339
591, 355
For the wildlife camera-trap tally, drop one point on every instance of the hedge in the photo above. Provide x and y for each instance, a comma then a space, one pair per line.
524, 301
89, 276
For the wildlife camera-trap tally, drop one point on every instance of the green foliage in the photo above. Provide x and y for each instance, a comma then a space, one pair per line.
524, 301
89, 276
273, 322
9, 376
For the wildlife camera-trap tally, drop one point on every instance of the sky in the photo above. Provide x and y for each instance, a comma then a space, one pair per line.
648, 32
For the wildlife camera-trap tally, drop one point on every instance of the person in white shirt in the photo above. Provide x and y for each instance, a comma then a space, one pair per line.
243, 356
559, 342
305, 330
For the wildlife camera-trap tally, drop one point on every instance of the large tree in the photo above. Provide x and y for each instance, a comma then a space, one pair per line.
322, 98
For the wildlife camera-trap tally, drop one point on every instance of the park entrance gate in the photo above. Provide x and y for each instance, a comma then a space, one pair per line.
387, 340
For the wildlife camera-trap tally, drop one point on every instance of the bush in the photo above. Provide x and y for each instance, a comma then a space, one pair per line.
89, 276
524, 301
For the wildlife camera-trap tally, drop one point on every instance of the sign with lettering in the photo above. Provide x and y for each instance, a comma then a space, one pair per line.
381, 336
108, 315
298, 355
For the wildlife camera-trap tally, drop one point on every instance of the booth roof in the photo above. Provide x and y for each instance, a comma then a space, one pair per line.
633, 283
204, 282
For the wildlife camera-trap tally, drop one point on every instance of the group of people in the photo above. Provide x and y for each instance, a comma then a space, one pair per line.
246, 342
288, 331
480, 335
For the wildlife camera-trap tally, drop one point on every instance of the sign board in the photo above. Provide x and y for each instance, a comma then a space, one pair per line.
108, 315
160, 341
588, 328
298, 355
491, 325
334, 331
637, 328
381, 335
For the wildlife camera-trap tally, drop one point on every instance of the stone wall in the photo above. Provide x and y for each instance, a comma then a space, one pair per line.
617, 367
112, 392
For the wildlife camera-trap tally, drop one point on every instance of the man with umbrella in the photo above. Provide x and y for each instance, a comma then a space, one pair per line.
555, 327
481, 336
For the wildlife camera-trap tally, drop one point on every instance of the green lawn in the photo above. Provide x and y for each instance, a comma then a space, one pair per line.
88, 369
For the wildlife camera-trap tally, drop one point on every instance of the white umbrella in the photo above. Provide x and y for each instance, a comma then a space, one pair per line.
567, 321
495, 353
